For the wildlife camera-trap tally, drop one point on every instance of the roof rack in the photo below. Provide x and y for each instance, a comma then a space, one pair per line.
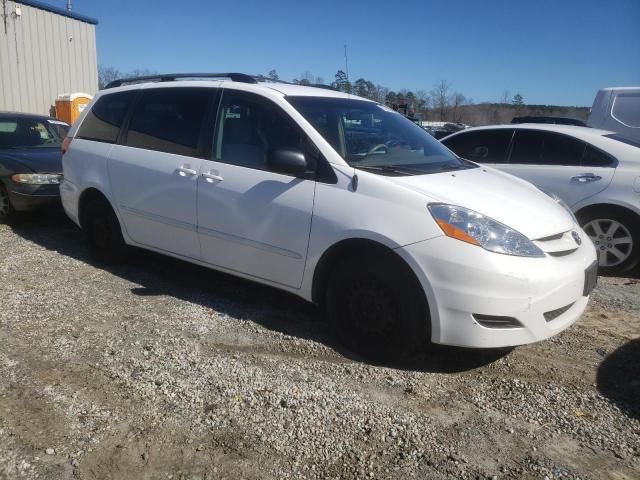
170, 77
262, 78
322, 85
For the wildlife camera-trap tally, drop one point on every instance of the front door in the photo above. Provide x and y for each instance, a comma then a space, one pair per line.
252, 220
154, 173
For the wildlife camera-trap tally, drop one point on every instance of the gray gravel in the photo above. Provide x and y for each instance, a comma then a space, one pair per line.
159, 369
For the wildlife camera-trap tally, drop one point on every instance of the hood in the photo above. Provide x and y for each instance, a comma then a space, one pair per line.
503, 197
38, 160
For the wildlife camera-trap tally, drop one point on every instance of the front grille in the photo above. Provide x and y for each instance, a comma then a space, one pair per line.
562, 253
558, 245
494, 321
553, 314
557, 236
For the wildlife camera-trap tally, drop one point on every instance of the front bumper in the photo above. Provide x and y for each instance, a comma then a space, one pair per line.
25, 197
461, 280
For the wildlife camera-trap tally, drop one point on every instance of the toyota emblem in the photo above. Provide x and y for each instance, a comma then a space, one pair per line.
576, 237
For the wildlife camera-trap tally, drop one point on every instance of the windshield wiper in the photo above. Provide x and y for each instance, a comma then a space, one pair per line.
449, 167
388, 169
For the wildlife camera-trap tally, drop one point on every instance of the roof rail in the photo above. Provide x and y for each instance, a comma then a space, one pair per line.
170, 77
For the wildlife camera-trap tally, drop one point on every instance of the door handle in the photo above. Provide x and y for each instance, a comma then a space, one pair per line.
211, 177
186, 170
586, 178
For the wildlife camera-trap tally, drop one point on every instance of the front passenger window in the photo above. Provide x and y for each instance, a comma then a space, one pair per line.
482, 146
250, 128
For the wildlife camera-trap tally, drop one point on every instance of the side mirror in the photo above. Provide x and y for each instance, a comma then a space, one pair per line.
292, 162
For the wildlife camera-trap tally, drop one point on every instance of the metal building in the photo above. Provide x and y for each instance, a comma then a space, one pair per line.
44, 51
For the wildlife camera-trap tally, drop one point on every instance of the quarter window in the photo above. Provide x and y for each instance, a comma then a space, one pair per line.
482, 146
169, 120
104, 120
250, 127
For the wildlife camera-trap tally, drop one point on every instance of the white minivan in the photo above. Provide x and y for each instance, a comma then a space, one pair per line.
332, 197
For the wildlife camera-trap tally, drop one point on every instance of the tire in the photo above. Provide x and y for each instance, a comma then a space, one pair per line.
616, 236
8, 214
103, 233
376, 307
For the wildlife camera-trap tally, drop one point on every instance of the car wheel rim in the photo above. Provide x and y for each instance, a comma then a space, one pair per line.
4, 203
612, 240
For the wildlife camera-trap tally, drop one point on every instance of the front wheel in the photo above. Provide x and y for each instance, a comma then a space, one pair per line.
376, 306
616, 236
8, 214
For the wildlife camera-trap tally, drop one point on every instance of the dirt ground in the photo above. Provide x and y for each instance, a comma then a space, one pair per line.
160, 369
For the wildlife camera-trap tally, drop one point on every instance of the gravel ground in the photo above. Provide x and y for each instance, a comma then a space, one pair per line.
160, 369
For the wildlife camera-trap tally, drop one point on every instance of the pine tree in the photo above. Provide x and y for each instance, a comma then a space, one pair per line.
518, 100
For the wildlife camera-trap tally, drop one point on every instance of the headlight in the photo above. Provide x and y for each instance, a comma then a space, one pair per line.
37, 178
474, 228
560, 202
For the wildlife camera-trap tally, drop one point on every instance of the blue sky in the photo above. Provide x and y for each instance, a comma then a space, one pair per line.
550, 51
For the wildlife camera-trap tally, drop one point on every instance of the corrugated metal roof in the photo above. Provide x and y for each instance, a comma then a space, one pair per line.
59, 11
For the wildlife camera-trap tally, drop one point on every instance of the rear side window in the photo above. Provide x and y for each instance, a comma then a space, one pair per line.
527, 147
534, 147
482, 146
626, 109
106, 117
169, 120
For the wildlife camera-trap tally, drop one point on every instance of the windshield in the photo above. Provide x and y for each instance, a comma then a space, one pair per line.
30, 133
370, 136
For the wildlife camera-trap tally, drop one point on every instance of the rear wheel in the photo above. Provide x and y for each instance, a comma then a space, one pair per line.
376, 306
8, 214
616, 236
103, 232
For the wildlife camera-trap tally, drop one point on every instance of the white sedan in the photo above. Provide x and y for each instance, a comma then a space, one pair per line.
595, 172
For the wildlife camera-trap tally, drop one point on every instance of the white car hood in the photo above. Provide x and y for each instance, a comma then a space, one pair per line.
503, 197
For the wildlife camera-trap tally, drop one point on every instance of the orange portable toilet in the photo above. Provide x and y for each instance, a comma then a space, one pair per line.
69, 106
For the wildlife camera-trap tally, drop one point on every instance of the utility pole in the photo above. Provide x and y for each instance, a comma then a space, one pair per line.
346, 61
69, 6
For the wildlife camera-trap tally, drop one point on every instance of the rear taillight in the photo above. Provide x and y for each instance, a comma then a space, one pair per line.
65, 144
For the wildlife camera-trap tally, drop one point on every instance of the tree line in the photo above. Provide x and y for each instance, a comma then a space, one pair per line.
440, 103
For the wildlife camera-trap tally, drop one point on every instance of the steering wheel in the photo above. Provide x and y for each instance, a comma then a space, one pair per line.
380, 148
